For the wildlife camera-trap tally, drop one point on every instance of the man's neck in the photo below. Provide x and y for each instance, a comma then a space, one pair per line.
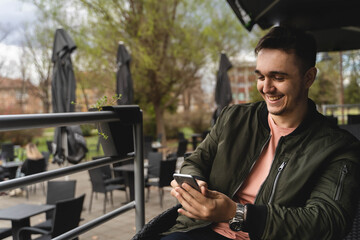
291, 120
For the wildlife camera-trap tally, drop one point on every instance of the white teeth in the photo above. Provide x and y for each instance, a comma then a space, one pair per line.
274, 98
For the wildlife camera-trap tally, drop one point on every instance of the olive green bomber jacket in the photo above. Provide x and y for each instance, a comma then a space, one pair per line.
312, 188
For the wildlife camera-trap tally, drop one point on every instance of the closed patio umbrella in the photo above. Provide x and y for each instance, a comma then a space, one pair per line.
124, 84
223, 95
63, 88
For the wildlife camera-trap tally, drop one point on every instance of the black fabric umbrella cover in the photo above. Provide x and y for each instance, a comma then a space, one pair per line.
63, 87
223, 95
124, 84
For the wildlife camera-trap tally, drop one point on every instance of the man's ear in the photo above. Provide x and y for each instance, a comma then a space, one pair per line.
310, 76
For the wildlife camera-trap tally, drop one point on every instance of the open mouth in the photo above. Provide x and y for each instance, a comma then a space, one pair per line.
274, 98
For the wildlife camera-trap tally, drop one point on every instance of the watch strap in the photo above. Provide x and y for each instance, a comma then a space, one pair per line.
237, 222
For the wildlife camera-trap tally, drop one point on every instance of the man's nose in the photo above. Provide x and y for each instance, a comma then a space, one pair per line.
268, 85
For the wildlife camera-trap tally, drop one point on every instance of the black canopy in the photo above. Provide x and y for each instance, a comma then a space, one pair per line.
223, 95
335, 24
124, 85
63, 87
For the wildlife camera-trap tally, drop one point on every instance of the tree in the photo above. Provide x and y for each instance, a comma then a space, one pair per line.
169, 41
4, 33
322, 91
352, 91
37, 47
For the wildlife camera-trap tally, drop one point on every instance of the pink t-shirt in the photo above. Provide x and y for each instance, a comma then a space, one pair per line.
257, 176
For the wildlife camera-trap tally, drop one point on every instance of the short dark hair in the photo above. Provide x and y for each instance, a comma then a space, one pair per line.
289, 39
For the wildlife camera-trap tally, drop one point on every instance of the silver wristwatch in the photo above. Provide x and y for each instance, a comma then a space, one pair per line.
237, 223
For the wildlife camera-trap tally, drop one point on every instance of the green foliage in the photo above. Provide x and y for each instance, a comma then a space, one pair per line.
169, 42
352, 92
187, 132
197, 122
322, 90
106, 101
254, 93
87, 129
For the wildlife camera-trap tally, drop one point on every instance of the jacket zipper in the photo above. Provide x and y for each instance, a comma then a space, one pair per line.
282, 166
276, 150
340, 185
262, 149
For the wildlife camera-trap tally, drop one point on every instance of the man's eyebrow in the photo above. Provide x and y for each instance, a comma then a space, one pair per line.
272, 73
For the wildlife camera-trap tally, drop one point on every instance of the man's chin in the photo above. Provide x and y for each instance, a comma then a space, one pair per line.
275, 111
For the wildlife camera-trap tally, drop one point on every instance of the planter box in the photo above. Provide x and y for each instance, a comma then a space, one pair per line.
120, 139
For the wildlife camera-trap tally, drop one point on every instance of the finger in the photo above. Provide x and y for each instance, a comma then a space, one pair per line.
194, 193
201, 183
184, 196
187, 213
174, 184
203, 190
191, 199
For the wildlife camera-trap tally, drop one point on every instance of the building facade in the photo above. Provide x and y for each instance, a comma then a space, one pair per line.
242, 79
18, 97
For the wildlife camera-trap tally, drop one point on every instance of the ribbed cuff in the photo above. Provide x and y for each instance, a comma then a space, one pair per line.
255, 220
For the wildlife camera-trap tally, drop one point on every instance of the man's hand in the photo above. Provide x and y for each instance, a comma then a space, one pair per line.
207, 205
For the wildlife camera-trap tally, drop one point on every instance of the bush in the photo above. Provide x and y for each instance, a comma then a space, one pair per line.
20, 137
200, 121
149, 125
87, 129
194, 122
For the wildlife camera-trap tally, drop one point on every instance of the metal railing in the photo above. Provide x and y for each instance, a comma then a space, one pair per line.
341, 111
130, 116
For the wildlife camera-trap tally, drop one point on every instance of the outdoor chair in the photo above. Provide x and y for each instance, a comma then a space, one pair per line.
31, 167
108, 175
147, 145
158, 225
354, 233
5, 232
57, 191
3, 174
99, 186
7, 152
154, 164
167, 169
181, 149
66, 217
46, 159
353, 119
165, 220
332, 119
354, 129
153, 173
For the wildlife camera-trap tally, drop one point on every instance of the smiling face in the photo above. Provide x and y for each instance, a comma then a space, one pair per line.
282, 86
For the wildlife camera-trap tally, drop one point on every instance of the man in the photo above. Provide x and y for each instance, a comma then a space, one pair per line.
275, 169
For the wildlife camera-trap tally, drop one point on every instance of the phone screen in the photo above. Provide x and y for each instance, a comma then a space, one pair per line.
186, 178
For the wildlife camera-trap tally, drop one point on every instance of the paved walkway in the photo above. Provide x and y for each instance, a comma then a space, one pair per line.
121, 227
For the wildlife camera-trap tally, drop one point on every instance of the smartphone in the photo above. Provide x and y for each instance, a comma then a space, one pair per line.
186, 178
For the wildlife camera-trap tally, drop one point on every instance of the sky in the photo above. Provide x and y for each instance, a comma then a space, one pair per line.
13, 14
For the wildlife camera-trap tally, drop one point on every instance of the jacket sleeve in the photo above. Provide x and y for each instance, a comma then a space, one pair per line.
328, 212
199, 163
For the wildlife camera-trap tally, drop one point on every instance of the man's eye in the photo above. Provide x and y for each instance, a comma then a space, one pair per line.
279, 78
259, 77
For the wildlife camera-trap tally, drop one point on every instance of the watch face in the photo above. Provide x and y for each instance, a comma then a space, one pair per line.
235, 226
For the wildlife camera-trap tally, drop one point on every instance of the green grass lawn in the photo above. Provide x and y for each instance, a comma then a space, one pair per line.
48, 135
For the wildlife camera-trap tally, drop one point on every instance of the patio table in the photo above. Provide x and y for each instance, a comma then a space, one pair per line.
128, 171
20, 215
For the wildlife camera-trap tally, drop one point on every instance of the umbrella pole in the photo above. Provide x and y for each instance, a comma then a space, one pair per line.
64, 142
